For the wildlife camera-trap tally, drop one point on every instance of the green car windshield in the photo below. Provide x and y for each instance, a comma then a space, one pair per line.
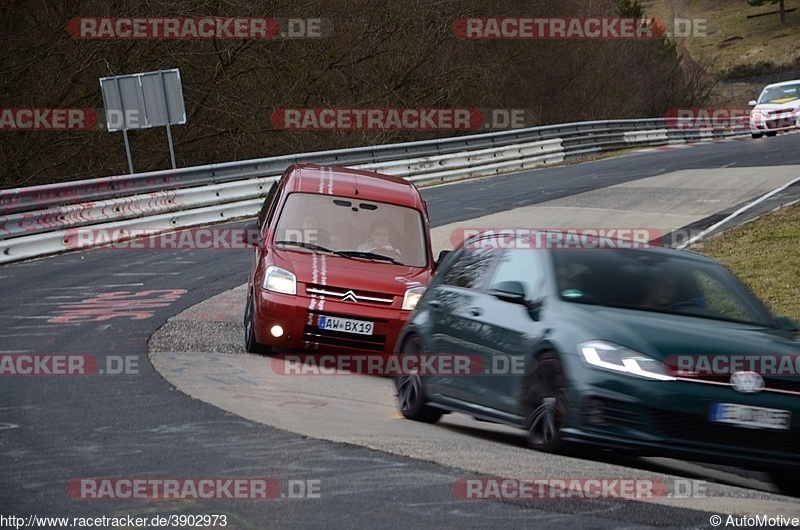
655, 281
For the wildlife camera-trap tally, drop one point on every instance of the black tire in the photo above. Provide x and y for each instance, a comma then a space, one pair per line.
546, 402
756, 135
250, 342
788, 481
411, 389
772, 133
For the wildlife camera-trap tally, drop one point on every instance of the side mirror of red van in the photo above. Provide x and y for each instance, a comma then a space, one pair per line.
252, 234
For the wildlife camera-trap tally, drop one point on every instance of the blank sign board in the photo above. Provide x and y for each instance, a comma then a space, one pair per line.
141, 101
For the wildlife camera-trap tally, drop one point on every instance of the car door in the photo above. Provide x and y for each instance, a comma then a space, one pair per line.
509, 329
450, 303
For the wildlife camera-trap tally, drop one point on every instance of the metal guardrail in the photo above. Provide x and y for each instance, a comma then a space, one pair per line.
50, 195
41, 220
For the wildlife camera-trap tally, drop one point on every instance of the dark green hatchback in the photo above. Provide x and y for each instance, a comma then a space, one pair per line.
650, 350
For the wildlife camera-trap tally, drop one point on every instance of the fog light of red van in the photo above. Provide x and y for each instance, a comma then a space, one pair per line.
412, 297
276, 331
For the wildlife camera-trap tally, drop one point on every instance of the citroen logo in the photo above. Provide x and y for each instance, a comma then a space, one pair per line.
747, 382
349, 296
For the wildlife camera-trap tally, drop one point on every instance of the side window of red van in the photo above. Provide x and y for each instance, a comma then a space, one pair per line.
268, 208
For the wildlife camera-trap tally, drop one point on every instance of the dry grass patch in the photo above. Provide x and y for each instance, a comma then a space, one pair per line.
732, 38
765, 254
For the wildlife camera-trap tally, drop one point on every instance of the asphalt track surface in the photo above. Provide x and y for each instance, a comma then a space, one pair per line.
57, 429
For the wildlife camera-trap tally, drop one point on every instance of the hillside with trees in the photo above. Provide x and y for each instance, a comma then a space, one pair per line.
377, 54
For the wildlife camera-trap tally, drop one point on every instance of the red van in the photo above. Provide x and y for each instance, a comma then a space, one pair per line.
340, 259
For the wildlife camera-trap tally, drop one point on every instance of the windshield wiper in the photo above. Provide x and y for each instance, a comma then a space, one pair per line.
310, 246
344, 253
368, 255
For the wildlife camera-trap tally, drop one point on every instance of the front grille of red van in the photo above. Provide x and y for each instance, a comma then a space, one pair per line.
355, 296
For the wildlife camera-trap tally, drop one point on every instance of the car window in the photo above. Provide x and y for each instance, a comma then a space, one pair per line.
778, 93
267, 208
524, 266
344, 224
469, 268
720, 300
655, 281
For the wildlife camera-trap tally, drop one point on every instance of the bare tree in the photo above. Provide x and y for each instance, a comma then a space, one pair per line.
379, 53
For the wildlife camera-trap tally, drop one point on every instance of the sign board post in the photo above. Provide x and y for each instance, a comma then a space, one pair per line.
142, 101
124, 129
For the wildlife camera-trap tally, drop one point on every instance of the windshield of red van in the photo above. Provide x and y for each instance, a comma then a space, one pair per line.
358, 228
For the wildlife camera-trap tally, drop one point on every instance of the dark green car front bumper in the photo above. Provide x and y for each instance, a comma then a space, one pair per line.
672, 419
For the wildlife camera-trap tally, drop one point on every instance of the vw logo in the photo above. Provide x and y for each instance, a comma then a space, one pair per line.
747, 382
349, 296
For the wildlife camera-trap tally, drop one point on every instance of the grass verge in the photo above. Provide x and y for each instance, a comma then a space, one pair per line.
765, 254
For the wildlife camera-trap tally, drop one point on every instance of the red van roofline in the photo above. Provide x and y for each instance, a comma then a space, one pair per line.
344, 182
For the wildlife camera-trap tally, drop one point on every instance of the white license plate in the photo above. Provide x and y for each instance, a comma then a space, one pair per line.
752, 417
346, 325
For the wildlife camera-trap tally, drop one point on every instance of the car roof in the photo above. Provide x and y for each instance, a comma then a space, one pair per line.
352, 183
782, 83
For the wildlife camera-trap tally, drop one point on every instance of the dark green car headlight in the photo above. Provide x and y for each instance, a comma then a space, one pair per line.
610, 356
